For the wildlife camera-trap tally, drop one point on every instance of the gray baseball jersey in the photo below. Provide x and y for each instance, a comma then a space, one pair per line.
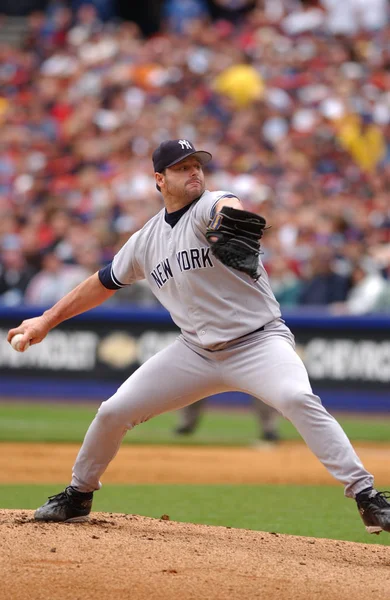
182, 273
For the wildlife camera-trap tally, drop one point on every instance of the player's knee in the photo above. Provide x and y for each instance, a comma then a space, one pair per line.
112, 415
294, 401
107, 413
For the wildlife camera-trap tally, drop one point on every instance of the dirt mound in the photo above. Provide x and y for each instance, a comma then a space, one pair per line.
116, 557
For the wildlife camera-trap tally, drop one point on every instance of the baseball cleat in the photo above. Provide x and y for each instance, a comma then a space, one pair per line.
69, 506
185, 429
374, 509
268, 441
271, 436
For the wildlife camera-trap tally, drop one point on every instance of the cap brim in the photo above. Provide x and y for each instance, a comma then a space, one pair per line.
203, 157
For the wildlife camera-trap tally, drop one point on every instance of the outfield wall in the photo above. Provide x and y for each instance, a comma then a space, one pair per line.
348, 358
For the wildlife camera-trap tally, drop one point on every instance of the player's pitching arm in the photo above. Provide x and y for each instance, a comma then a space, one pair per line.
88, 294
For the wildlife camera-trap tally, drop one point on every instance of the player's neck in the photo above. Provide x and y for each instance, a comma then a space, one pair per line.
172, 204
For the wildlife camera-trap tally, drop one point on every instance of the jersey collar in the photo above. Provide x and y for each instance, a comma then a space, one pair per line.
173, 217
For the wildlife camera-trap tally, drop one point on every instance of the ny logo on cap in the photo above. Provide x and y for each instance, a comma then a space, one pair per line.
185, 144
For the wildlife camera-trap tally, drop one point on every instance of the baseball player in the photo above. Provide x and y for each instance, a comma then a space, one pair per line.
200, 256
267, 418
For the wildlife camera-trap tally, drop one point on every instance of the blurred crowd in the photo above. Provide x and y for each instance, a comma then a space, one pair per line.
291, 97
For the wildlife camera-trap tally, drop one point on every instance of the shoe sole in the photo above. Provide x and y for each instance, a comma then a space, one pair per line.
374, 529
71, 520
77, 519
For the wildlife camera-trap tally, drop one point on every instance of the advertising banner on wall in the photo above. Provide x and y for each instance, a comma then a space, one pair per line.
96, 350
341, 356
344, 358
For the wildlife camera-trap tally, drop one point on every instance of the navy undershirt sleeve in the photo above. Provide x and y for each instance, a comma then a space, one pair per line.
107, 278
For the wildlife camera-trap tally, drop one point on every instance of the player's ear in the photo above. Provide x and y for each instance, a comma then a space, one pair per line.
159, 177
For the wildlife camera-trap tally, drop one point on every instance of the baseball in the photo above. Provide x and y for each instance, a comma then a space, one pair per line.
16, 341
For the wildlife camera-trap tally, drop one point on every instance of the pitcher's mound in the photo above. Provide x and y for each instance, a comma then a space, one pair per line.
118, 557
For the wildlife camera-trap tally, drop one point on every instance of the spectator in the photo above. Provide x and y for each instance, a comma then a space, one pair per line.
54, 280
307, 144
323, 286
284, 281
15, 273
178, 15
367, 293
364, 140
383, 301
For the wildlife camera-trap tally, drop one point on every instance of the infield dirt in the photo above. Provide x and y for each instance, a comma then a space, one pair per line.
118, 556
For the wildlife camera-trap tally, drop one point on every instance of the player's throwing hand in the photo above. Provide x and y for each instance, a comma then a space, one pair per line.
33, 330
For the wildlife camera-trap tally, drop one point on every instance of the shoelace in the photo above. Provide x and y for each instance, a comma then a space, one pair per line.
67, 497
381, 498
61, 497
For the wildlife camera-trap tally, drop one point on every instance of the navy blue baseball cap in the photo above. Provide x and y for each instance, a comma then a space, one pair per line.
173, 151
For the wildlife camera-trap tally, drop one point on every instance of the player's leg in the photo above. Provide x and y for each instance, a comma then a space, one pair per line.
171, 379
287, 387
268, 420
167, 381
189, 417
270, 369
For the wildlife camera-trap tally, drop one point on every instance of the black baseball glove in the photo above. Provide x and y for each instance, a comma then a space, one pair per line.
234, 236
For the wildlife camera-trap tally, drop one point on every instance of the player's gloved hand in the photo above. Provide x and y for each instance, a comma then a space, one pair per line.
234, 236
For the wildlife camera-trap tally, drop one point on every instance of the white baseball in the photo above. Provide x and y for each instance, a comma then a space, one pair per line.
15, 342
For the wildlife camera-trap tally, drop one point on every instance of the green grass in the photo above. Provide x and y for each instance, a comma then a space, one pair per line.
68, 423
298, 510
317, 511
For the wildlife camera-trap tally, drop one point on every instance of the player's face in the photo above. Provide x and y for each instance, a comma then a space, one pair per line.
184, 180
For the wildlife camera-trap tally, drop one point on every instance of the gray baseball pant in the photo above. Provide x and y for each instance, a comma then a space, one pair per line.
263, 364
